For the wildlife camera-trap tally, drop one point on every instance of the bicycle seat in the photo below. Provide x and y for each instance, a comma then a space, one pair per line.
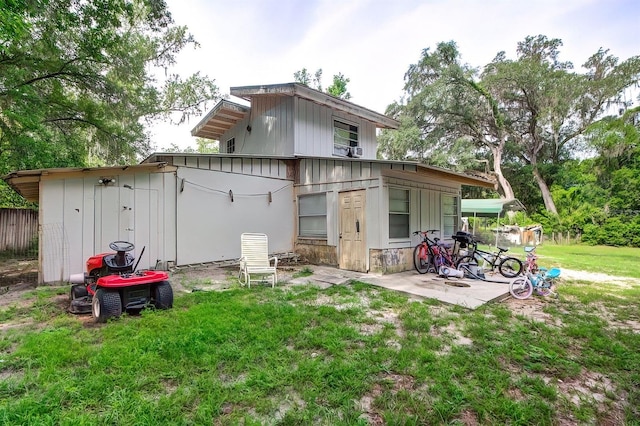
529, 249
553, 273
502, 248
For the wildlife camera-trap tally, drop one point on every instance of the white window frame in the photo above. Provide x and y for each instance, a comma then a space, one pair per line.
346, 137
446, 232
231, 145
312, 215
405, 212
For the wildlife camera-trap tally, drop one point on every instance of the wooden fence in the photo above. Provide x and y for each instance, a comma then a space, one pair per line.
18, 230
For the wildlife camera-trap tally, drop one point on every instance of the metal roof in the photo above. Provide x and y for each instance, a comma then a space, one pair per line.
27, 182
226, 114
221, 118
490, 207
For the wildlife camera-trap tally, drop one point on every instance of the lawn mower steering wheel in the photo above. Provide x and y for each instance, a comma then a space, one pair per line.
121, 246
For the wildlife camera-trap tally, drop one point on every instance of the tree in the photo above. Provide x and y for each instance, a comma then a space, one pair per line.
303, 77
534, 108
549, 106
77, 82
454, 117
203, 146
338, 88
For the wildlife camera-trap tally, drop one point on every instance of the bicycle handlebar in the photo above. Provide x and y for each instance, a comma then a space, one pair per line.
428, 231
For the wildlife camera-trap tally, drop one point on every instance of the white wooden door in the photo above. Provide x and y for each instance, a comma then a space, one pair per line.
352, 245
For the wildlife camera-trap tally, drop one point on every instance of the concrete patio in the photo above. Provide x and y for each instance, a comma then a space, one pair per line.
468, 293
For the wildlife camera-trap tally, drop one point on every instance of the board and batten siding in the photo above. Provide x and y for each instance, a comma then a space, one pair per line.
215, 207
333, 176
80, 217
313, 129
425, 205
263, 167
271, 123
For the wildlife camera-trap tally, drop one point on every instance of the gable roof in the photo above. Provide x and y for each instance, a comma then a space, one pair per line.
226, 114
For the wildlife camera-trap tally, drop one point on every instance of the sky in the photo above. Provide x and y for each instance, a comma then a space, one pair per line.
373, 42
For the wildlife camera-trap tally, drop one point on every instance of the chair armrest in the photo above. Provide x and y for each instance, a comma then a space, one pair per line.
275, 261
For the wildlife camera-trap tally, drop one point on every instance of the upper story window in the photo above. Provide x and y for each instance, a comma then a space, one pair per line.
345, 134
231, 146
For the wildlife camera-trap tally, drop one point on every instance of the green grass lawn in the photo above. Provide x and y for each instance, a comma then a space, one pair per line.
624, 261
351, 354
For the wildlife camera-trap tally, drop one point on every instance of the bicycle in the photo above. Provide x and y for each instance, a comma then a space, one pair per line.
430, 254
531, 263
541, 282
508, 266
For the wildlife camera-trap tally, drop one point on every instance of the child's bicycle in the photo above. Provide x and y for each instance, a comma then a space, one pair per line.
535, 279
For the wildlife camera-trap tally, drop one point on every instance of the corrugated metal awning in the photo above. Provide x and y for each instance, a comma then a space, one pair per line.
490, 207
221, 118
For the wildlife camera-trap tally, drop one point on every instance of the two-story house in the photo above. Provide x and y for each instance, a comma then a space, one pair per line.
297, 164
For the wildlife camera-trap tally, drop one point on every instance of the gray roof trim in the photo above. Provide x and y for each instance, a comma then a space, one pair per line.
296, 89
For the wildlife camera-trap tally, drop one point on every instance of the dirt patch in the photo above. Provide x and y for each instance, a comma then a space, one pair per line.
626, 282
531, 308
392, 382
16, 278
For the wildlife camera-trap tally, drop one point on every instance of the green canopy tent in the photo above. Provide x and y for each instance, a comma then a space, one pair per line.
493, 207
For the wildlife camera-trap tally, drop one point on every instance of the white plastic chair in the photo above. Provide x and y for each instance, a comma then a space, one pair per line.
254, 249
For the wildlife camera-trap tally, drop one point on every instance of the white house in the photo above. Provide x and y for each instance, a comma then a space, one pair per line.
297, 164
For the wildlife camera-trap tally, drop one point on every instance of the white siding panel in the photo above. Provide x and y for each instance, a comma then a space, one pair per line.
79, 218
271, 128
374, 230
168, 193
52, 241
209, 224
73, 211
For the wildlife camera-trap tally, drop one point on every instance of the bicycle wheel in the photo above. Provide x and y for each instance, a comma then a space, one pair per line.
510, 267
465, 259
520, 288
421, 259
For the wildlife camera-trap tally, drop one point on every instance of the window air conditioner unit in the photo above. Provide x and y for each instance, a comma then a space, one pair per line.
356, 151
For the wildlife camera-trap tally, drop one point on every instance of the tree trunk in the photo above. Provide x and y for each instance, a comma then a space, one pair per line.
504, 184
546, 193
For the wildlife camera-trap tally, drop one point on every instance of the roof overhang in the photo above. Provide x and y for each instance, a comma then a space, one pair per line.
490, 207
316, 96
27, 182
462, 178
221, 118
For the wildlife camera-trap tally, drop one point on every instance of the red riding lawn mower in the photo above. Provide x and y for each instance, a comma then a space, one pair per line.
112, 285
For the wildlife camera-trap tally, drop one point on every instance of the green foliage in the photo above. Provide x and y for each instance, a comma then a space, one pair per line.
11, 199
303, 77
77, 83
338, 88
530, 114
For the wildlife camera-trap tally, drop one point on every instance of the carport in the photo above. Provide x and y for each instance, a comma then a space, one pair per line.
493, 207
